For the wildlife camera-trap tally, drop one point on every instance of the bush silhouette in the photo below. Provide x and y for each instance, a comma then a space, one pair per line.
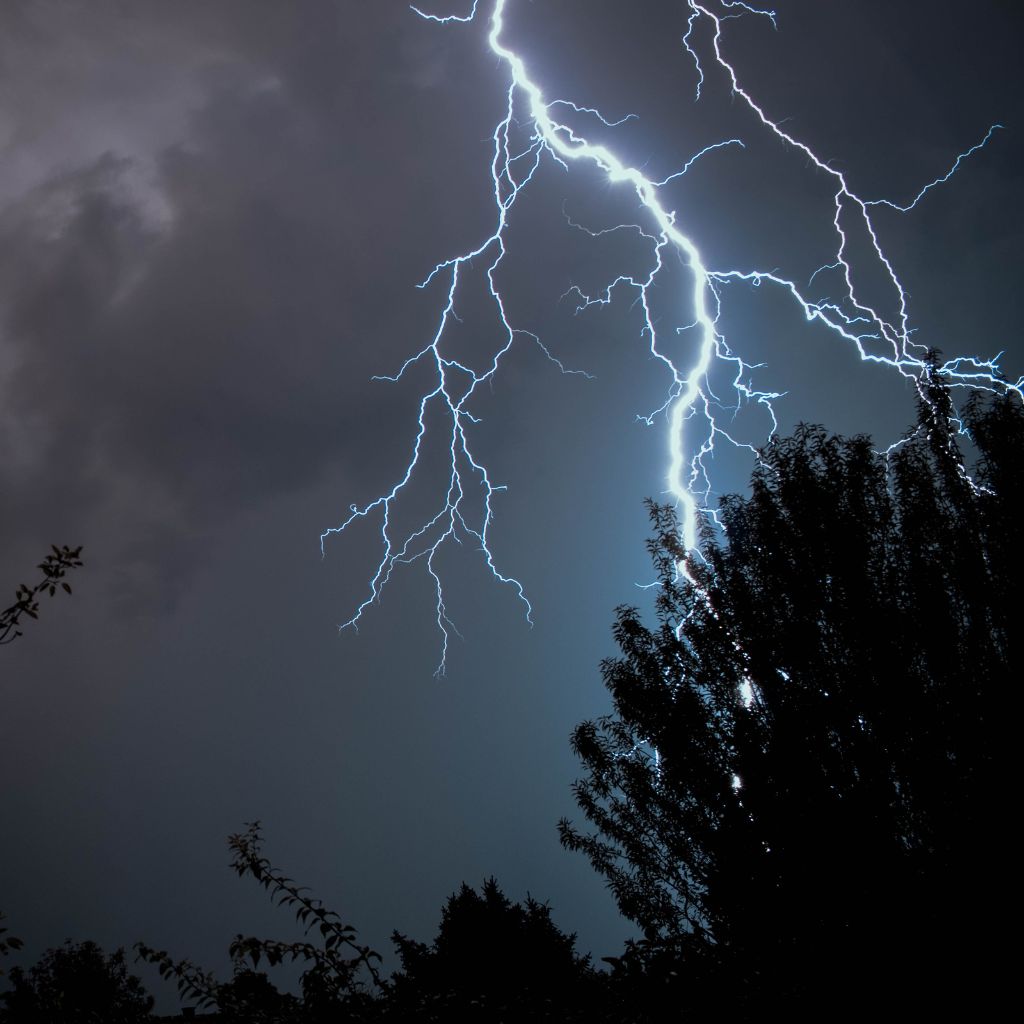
76, 984
494, 960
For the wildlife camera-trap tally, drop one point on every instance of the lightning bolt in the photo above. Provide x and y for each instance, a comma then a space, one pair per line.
533, 129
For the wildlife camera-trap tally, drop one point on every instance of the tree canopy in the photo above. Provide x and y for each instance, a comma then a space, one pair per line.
494, 960
75, 984
801, 794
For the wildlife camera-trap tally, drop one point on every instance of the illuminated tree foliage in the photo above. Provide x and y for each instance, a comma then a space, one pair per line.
801, 795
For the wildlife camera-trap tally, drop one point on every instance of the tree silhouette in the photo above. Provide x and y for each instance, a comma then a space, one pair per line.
76, 984
494, 960
801, 797
251, 997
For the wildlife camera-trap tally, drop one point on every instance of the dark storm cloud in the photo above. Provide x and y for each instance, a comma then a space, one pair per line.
191, 315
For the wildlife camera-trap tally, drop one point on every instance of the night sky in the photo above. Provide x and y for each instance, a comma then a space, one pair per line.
213, 217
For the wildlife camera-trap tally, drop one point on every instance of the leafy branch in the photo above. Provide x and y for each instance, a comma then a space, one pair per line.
193, 983
336, 937
26, 599
8, 943
336, 961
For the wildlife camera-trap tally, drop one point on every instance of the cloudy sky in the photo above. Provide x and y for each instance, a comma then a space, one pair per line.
213, 217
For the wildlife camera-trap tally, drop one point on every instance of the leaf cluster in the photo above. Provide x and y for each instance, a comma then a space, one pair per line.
193, 983
8, 943
55, 567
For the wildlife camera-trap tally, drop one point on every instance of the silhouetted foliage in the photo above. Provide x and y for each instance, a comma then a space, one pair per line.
8, 942
200, 987
76, 984
338, 963
26, 599
250, 996
26, 603
340, 977
801, 795
494, 960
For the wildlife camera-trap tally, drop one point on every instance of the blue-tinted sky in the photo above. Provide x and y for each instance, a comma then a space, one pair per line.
212, 221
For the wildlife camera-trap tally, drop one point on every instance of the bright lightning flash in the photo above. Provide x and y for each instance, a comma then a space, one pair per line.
689, 407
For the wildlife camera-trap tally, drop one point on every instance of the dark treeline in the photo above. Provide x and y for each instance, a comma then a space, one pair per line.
801, 797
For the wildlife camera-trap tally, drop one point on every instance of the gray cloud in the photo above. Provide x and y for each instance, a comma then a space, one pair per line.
195, 285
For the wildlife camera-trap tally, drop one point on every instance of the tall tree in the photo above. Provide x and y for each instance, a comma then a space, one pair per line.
802, 795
